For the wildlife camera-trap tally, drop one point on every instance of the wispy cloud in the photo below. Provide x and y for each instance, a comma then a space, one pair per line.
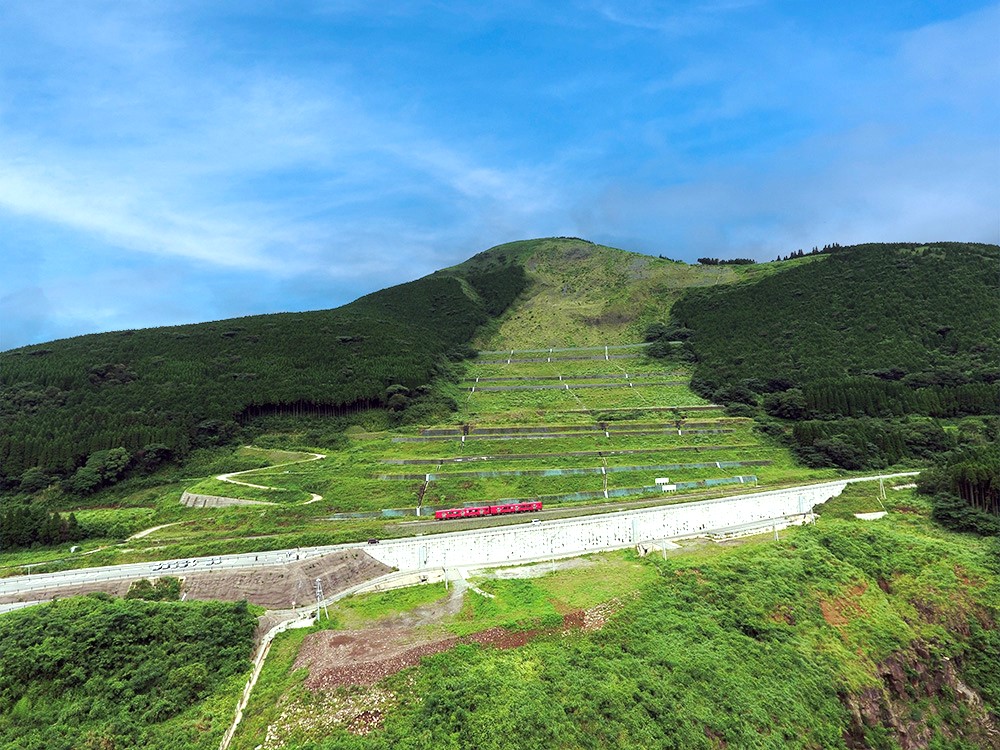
225, 169
313, 155
681, 18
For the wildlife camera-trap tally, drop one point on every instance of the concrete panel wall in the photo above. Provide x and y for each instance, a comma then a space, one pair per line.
595, 533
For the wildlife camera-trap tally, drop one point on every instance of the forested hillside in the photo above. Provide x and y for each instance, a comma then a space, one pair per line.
876, 354
94, 406
919, 316
97, 672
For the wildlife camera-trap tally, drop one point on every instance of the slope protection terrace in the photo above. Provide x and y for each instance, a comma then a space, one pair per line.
587, 443
156, 393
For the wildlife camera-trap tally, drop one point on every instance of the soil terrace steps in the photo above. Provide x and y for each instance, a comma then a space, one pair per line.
564, 454
431, 477
608, 433
567, 386
571, 349
613, 409
512, 430
594, 376
528, 360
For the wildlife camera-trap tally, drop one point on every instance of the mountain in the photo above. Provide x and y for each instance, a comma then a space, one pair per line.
900, 317
159, 391
347, 424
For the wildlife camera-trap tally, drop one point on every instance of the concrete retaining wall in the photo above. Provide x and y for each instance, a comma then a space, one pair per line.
193, 500
595, 533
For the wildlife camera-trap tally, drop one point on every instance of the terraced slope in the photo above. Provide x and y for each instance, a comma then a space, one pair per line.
575, 428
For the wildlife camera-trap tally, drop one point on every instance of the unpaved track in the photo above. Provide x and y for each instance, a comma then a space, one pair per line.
147, 532
313, 497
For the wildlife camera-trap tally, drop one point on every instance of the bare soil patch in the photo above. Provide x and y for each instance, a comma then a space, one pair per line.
364, 657
840, 610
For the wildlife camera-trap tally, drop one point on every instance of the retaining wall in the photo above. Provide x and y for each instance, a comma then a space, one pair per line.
594, 533
193, 500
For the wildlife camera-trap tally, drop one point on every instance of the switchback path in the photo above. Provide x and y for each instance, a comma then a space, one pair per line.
313, 497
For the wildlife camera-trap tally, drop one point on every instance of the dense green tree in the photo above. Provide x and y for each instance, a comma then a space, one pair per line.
101, 672
34, 479
790, 404
177, 387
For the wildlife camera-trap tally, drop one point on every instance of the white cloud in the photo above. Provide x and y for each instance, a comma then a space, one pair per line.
243, 169
672, 19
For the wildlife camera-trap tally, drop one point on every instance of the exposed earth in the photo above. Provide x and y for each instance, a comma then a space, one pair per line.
275, 587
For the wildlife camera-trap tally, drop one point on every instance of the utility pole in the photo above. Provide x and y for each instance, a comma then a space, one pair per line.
319, 599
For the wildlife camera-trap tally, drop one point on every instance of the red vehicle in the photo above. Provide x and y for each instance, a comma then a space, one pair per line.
487, 510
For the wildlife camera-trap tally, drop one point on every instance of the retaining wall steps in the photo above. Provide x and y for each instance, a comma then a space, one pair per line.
194, 500
434, 477
597, 427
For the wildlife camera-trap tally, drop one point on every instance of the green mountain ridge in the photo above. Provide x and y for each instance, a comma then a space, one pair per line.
156, 393
846, 634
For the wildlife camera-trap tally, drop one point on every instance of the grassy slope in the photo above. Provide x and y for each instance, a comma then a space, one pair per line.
584, 294
760, 644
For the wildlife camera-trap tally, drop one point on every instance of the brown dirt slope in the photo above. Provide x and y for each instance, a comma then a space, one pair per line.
274, 586
287, 586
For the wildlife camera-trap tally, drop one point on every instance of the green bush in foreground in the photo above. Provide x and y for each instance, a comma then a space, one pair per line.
105, 673
755, 647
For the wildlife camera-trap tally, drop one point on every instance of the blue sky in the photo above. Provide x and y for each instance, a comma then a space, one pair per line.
164, 163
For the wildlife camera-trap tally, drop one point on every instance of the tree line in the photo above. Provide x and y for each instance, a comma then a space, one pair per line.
89, 409
964, 486
726, 261
858, 349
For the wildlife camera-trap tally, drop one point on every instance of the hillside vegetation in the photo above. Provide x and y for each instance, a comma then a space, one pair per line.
110, 674
920, 316
584, 294
151, 395
848, 634
876, 354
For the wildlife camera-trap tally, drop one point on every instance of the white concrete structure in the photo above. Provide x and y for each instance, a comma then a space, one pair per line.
500, 545
575, 536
